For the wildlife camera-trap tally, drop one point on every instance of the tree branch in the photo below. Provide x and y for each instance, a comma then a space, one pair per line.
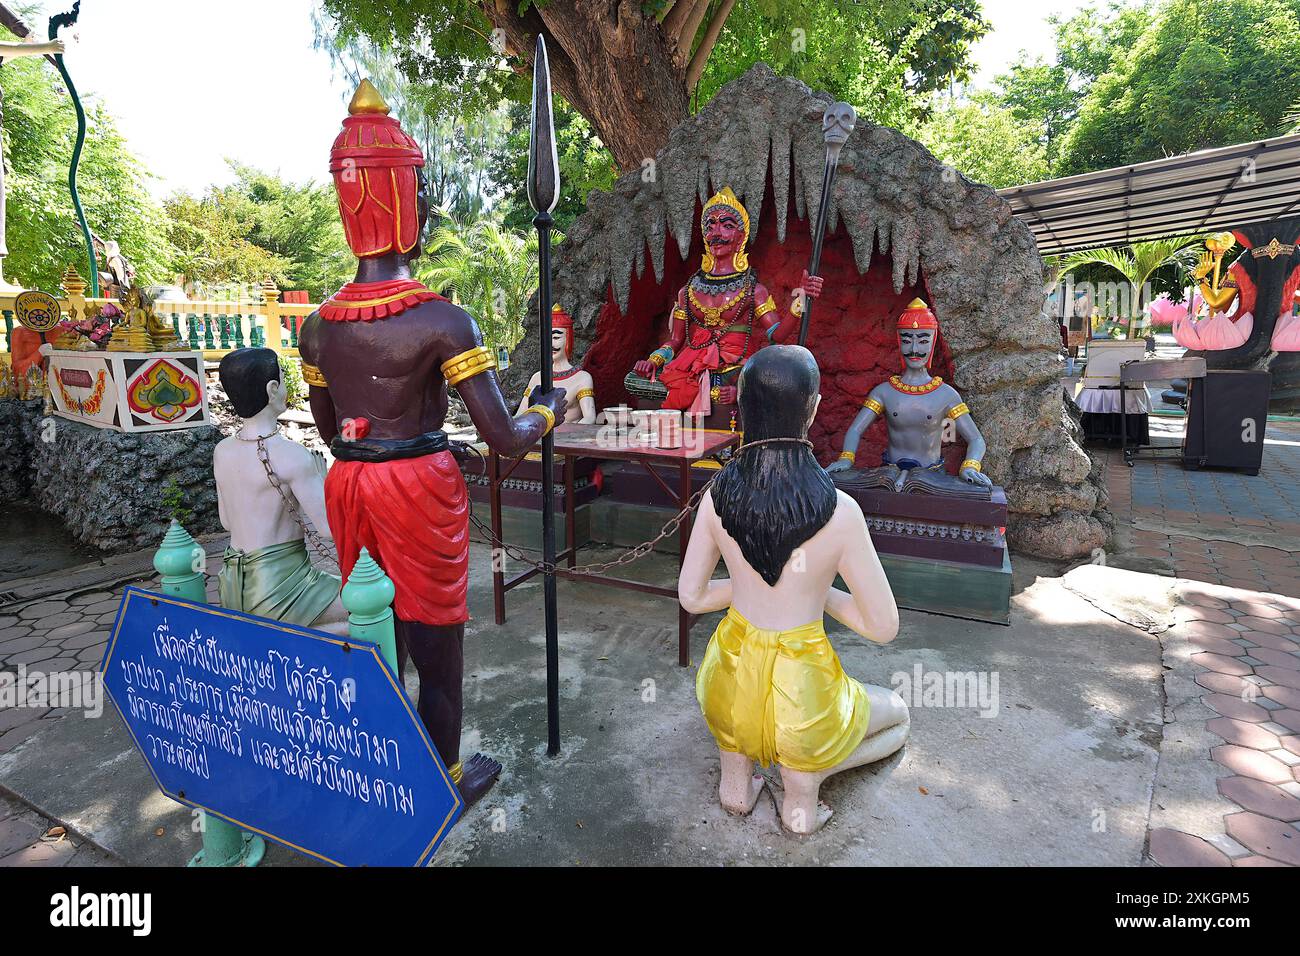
675, 17
686, 35
703, 51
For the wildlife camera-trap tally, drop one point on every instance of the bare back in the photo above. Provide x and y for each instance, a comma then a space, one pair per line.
387, 370
805, 591
251, 509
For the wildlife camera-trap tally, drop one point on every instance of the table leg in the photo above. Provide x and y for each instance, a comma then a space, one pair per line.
683, 538
570, 513
498, 556
1123, 428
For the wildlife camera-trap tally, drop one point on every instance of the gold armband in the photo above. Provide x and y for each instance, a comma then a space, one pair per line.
468, 364
766, 307
874, 405
970, 463
958, 410
848, 456
715, 394
545, 412
313, 376
456, 771
680, 313
585, 393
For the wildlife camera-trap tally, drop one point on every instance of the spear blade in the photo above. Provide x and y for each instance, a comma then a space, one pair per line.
543, 162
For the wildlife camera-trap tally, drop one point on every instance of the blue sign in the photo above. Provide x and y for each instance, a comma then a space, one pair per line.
301, 736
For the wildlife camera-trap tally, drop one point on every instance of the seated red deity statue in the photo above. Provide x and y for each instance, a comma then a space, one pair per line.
711, 331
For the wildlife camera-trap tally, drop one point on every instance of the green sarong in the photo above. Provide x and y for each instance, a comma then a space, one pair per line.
278, 582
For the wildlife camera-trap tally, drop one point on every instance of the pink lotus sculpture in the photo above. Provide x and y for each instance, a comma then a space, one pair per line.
1286, 334
1215, 334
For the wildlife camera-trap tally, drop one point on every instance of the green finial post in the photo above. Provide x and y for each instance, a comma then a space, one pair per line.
368, 597
181, 564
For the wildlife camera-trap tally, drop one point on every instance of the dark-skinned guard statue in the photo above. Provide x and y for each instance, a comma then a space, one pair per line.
379, 357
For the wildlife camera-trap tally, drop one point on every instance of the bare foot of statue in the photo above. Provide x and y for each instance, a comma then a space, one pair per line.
800, 811
739, 787
478, 774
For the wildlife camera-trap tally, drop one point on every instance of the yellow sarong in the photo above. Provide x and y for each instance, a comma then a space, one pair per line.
780, 696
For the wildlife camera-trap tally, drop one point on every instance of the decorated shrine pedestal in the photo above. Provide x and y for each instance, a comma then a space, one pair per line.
130, 391
942, 555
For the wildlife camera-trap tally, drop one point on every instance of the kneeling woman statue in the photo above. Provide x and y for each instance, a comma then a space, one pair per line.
771, 686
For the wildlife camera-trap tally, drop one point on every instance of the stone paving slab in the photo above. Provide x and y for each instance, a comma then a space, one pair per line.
1061, 774
28, 838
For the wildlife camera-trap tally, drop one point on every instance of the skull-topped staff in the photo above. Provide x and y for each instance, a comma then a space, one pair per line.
837, 123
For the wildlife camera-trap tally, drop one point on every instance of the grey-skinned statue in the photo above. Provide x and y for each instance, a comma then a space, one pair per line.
915, 406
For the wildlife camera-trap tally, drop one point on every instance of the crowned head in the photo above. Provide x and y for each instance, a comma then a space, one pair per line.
918, 333
378, 173
724, 224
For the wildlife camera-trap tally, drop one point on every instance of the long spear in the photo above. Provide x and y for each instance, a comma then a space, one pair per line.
837, 123
543, 194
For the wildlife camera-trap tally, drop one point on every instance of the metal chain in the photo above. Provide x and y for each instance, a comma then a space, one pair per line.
308, 534
627, 557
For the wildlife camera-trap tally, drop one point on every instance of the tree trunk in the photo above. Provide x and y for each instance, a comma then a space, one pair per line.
610, 62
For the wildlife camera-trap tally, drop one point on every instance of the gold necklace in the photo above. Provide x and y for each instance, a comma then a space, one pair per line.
925, 389
712, 315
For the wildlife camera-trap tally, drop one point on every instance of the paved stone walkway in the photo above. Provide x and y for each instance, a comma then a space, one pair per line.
1234, 540
29, 839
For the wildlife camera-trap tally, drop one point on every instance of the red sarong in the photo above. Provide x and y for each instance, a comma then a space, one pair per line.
412, 515
686, 376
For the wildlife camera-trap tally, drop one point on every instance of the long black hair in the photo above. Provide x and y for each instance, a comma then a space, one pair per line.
775, 497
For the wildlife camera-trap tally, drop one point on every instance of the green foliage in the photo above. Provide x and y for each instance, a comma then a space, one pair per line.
1203, 74
1049, 95
458, 75
173, 500
986, 142
487, 269
883, 55
295, 390
585, 165
1138, 264
258, 227
44, 236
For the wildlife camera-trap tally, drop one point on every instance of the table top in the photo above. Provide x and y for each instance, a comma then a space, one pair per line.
1157, 370
601, 441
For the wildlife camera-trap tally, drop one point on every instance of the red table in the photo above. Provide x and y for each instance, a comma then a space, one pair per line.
601, 442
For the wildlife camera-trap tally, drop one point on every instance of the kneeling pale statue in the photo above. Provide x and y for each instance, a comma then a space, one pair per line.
771, 686
266, 484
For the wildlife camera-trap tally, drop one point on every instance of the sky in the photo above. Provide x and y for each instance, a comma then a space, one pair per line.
193, 82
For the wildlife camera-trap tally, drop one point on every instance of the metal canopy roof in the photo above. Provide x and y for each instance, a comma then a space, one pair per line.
1215, 189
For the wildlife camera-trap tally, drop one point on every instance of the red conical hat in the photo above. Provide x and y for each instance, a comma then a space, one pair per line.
374, 164
562, 320
917, 315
